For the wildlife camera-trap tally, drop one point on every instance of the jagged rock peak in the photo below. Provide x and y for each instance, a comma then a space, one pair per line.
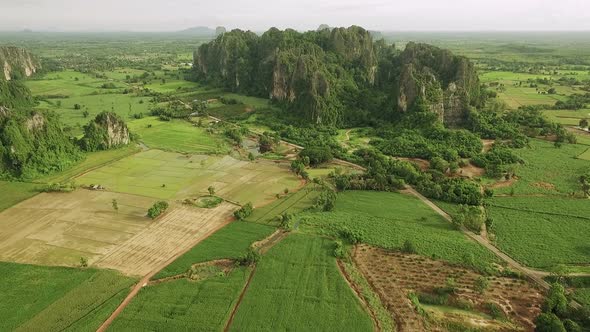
17, 62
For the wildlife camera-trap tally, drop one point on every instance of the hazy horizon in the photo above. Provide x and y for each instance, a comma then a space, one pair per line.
410, 16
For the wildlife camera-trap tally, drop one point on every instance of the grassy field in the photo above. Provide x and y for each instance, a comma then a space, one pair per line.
183, 305
542, 231
292, 203
300, 288
516, 94
55, 297
567, 117
229, 242
548, 170
91, 161
12, 193
177, 136
387, 220
169, 175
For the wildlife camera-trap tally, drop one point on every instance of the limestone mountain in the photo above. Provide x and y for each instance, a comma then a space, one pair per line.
17, 62
340, 75
448, 84
32, 143
106, 131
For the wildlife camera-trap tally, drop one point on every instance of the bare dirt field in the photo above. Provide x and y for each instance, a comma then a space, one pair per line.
176, 231
61, 228
394, 276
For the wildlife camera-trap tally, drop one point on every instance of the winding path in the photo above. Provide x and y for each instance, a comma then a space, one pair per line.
536, 276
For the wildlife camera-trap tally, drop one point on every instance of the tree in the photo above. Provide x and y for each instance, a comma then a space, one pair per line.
548, 322
244, 212
115, 205
157, 209
584, 123
556, 302
77, 106
85, 114
211, 190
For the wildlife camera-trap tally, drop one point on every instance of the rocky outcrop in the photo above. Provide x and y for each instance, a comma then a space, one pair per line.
33, 143
17, 62
106, 131
448, 83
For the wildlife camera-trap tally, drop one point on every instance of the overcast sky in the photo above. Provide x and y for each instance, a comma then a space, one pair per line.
168, 15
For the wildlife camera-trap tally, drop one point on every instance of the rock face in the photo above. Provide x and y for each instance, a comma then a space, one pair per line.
17, 62
448, 83
106, 131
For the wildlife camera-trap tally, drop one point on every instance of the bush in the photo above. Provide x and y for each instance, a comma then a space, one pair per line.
251, 257
481, 284
157, 209
244, 212
339, 249
548, 322
60, 187
409, 247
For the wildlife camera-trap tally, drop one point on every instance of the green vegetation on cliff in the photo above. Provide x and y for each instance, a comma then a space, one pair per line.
33, 143
340, 76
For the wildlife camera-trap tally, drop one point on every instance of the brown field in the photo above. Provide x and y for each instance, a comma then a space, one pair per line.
394, 275
61, 228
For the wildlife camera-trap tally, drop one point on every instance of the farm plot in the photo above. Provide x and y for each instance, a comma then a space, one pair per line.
57, 298
548, 170
395, 275
14, 192
300, 274
292, 203
177, 136
175, 232
387, 220
542, 231
184, 305
168, 175
60, 229
229, 242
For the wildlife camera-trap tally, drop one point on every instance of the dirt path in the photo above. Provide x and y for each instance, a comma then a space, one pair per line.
356, 290
534, 275
145, 280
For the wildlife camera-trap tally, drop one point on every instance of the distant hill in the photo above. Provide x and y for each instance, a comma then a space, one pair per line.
199, 31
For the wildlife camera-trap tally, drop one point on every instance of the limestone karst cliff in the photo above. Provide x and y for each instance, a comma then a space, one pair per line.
106, 131
17, 62
332, 75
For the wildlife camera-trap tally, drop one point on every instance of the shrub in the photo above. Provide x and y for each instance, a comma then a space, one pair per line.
60, 187
157, 209
548, 322
339, 249
244, 212
494, 310
409, 247
481, 284
251, 257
